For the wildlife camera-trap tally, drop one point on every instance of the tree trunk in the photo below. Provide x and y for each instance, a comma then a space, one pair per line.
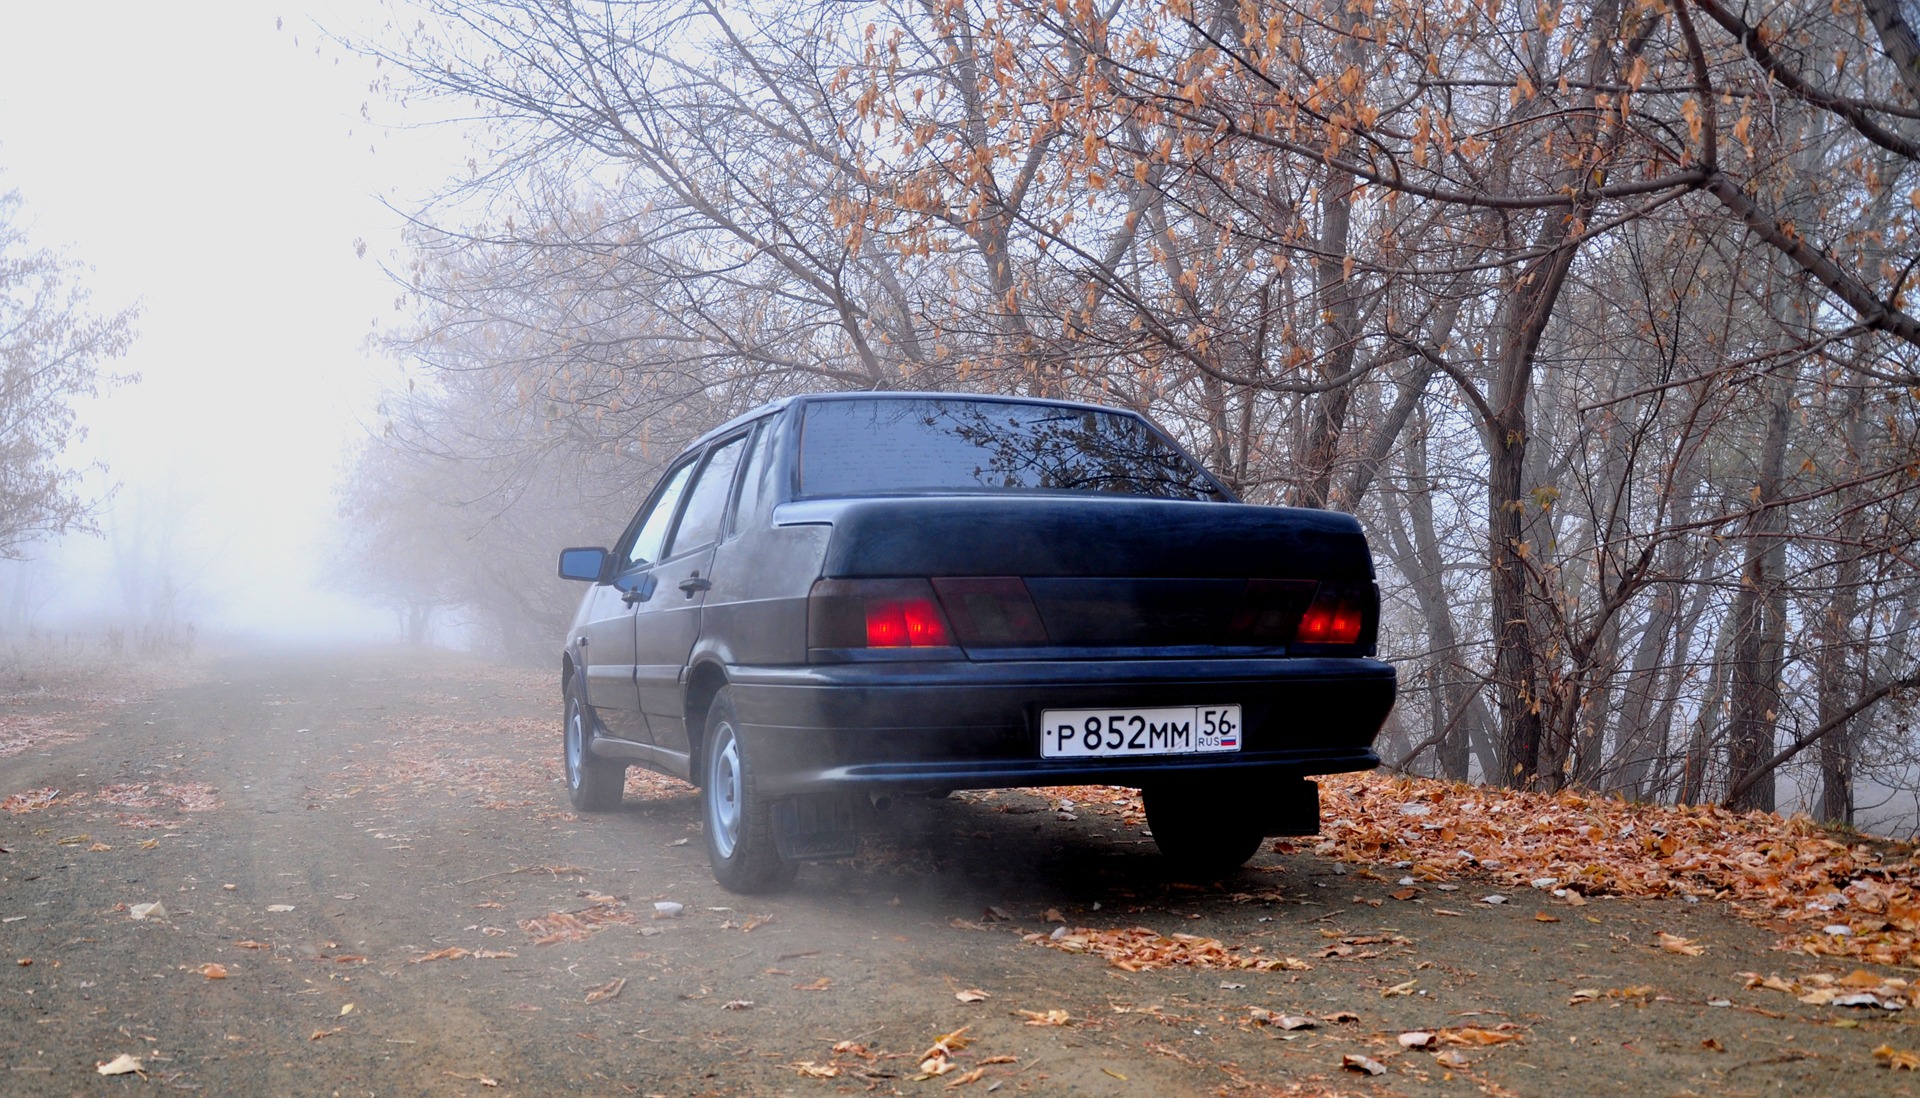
1838, 672
1339, 335
1759, 614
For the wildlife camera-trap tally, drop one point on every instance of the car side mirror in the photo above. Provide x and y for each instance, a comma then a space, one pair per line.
588, 564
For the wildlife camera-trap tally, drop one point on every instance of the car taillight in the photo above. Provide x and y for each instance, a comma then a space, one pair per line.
885, 613
905, 623
1269, 611
1338, 615
991, 611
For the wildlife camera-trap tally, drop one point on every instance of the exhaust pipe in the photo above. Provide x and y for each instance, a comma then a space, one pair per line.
880, 801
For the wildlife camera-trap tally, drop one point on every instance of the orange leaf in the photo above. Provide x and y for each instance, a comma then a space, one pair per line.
1673, 943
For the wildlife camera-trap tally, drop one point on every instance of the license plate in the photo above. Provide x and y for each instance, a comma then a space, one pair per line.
1170, 730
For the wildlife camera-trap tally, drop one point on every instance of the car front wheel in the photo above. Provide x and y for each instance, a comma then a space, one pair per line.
593, 784
737, 820
1203, 833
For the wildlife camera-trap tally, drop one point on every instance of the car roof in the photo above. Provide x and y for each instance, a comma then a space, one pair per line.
783, 403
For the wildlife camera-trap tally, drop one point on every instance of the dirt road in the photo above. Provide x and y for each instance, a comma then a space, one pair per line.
371, 884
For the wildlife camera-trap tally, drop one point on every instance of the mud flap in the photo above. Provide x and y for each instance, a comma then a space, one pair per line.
814, 827
1293, 808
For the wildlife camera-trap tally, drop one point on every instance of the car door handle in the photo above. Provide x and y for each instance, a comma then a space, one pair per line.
693, 585
641, 591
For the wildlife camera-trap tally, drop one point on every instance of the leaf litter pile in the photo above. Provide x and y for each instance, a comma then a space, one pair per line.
601, 912
1858, 900
130, 803
1137, 949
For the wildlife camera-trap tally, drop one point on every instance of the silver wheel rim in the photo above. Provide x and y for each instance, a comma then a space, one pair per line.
576, 743
724, 792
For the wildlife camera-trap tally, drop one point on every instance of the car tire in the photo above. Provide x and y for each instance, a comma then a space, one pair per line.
593, 784
738, 822
1199, 830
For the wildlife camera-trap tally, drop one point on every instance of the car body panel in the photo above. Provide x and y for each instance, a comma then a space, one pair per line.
919, 726
605, 641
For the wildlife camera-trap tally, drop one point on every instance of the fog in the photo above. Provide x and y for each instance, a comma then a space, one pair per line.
212, 164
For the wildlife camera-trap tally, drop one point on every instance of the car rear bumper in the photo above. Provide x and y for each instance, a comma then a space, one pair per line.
972, 725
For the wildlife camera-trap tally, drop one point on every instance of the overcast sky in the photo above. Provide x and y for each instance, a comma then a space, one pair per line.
216, 170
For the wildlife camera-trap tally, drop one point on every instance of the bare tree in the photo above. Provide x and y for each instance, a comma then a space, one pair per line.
52, 350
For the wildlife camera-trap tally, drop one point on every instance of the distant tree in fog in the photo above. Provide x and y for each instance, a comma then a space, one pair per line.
51, 352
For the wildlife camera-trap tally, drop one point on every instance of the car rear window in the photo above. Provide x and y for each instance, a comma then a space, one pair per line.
894, 445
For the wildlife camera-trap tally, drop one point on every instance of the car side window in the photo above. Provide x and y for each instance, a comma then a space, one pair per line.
653, 529
707, 500
754, 483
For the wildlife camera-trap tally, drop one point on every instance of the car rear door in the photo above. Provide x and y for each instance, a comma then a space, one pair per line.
667, 624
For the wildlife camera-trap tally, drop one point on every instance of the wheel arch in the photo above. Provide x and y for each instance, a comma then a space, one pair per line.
703, 685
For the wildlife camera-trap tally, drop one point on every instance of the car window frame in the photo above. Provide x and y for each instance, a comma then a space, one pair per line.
705, 457
624, 547
760, 445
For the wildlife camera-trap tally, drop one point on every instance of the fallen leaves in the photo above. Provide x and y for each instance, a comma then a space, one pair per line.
937, 1060
1138, 949
451, 953
1574, 846
1673, 943
574, 926
213, 971
1354, 1061
122, 1064
1897, 1059
1477, 1037
1591, 994
1044, 1018
609, 990
1858, 988
31, 800
420, 763
972, 995
147, 796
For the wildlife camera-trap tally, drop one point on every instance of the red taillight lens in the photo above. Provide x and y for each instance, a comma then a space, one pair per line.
1338, 615
992, 611
886, 613
905, 623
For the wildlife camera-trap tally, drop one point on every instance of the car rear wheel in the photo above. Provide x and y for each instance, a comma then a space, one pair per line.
593, 784
1205, 832
737, 820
